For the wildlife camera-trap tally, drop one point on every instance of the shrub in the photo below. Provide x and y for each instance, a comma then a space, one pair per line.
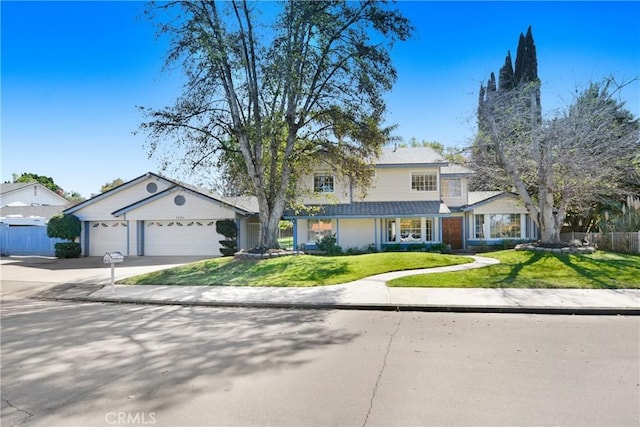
442, 248
68, 250
329, 245
228, 228
64, 226
391, 247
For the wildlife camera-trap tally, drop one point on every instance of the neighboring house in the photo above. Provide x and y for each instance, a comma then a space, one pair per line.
416, 197
25, 210
153, 215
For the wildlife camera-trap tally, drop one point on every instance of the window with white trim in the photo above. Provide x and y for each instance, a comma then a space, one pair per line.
424, 181
318, 228
323, 183
409, 230
479, 226
452, 187
498, 226
504, 226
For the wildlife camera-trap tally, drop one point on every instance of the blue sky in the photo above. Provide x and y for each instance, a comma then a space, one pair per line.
74, 72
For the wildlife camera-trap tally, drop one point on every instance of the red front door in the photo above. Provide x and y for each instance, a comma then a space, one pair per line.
452, 232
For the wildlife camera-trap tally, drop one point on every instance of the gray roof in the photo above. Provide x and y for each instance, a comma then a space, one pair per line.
26, 211
408, 156
480, 196
371, 210
8, 187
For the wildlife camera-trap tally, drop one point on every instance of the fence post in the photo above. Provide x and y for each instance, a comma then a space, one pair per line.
638, 247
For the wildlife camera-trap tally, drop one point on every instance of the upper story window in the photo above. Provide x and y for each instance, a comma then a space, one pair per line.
424, 181
452, 187
323, 183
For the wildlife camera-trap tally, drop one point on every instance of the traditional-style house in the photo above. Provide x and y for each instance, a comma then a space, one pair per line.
416, 197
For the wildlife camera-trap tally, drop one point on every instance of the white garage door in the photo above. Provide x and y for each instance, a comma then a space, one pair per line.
107, 236
181, 237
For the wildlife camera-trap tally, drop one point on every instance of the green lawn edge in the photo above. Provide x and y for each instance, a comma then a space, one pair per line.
293, 271
523, 269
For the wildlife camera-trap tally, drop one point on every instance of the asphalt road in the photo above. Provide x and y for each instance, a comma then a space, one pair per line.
68, 364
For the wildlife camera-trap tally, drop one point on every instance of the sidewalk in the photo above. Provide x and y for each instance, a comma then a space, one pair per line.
371, 293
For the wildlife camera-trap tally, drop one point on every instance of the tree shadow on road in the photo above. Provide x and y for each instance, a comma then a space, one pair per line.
59, 357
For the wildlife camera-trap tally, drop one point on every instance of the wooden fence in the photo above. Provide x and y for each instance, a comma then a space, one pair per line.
628, 243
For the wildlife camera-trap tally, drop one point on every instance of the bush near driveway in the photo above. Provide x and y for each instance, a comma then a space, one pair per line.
600, 270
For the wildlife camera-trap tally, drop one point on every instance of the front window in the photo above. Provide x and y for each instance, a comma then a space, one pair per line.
410, 230
498, 226
452, 187
479, 227
504, 226
323, 183
318, 228
424, 181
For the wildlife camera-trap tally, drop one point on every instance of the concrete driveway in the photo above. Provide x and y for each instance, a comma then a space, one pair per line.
22, 277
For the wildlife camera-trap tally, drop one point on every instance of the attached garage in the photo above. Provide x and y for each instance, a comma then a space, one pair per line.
181, 237
154, 216
107, 236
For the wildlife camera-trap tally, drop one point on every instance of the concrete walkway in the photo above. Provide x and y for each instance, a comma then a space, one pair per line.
372, 293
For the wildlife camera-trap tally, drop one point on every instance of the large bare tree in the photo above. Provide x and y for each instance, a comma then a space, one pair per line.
566, 163
271, 85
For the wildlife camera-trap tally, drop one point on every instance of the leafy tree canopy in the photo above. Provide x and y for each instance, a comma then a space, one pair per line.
47, 181
113, 184
273, 87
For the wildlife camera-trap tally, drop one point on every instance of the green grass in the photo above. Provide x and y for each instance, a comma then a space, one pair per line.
601, 270
301, 270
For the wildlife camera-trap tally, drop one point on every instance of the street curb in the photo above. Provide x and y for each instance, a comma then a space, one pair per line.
585, 311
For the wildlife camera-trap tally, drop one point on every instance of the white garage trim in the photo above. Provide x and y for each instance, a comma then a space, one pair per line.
107, 236
181, 237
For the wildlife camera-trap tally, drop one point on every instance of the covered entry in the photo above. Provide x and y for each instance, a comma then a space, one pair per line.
452, 232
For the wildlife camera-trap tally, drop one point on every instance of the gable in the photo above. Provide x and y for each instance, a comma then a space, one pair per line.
502, 203
177, 203
101, 206
30, 194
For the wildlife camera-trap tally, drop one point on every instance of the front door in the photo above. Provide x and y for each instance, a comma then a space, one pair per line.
452, 232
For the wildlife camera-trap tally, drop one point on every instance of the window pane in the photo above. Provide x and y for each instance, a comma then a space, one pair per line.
452, 187
424, 181
479, 227
323, 183
504, 226
428, 230
410, 230
391, 230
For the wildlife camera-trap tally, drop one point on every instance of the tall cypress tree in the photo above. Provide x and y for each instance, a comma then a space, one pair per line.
510, 79
505, 77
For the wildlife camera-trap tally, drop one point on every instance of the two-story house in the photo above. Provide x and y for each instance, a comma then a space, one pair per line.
416, 197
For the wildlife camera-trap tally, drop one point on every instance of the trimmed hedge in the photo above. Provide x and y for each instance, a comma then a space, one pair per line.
68, 250
64, 226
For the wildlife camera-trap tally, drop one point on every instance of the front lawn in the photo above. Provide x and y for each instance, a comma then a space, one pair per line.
601, 270
301, 270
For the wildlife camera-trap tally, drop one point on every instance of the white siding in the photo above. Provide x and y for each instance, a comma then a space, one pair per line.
394, 184
356, 233
101, 209
35, 194
193, 207
500, 206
